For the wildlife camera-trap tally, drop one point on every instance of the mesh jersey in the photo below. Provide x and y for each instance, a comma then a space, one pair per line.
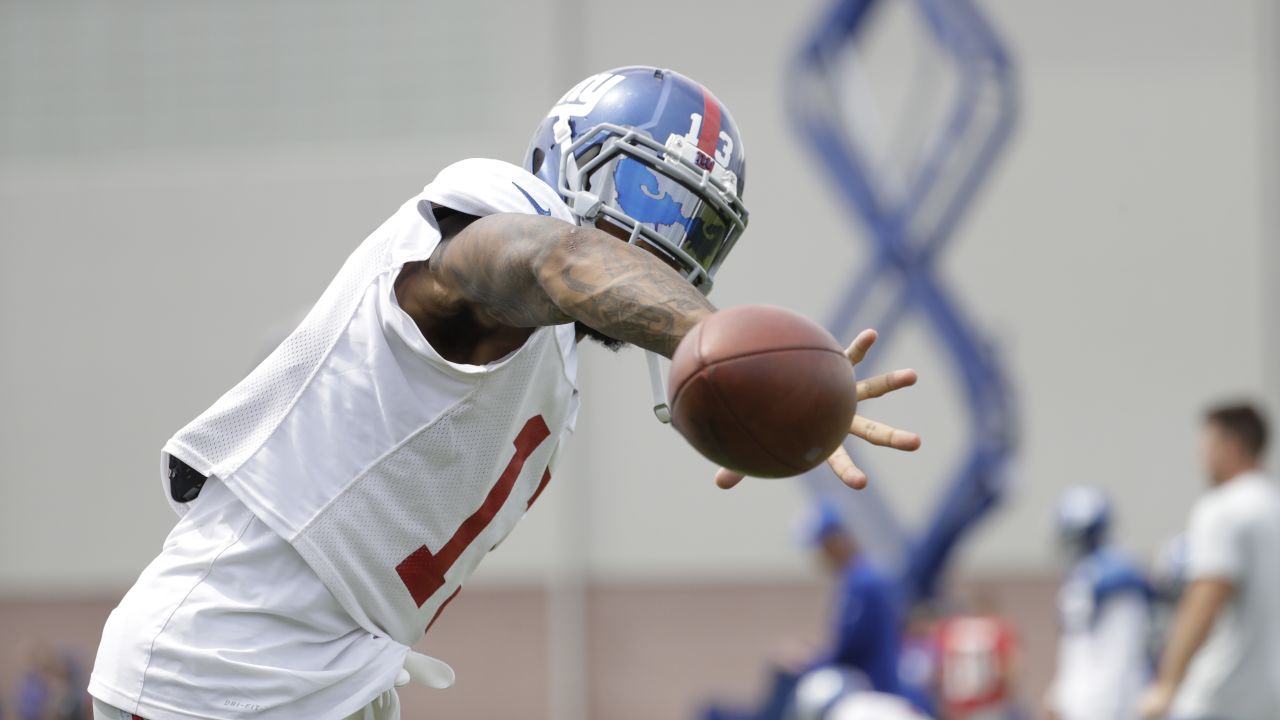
391, 470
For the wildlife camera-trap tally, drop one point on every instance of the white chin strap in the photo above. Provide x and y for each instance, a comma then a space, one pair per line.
657, 384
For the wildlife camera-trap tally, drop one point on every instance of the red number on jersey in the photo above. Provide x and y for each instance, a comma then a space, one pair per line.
423, 571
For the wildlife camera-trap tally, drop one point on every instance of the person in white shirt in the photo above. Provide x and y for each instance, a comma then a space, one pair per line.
1222, 658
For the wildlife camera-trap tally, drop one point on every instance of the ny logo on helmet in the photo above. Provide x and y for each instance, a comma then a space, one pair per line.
583, 97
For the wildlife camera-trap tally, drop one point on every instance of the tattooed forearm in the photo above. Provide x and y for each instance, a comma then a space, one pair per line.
526, 270
622, 291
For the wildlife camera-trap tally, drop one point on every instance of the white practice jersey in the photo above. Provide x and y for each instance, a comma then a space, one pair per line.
391, 470
1103, 664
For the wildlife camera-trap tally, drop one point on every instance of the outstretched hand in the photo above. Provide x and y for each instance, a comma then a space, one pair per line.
862, 427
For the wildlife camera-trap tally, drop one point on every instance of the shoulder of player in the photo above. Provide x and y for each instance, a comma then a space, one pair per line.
1114, 572
1211, 504
484, 186
1256, 499
1243, 497
1233, 512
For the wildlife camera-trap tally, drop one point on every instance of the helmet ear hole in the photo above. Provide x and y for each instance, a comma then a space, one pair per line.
536, 161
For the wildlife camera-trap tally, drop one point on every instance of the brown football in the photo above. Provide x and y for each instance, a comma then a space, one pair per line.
761, 390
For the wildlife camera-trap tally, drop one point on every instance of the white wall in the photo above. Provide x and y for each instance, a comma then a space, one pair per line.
1118, 256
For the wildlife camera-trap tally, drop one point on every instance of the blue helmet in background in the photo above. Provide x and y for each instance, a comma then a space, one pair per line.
653, 153
823, 519
1084, 518
820, 689
873, 706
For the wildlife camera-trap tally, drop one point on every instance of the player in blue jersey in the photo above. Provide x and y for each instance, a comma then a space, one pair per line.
874, 603
867, 627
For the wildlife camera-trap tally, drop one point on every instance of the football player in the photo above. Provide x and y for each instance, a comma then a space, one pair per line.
1104, 610
335, 500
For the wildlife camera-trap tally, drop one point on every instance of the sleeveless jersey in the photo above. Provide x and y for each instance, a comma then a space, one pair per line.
390, 469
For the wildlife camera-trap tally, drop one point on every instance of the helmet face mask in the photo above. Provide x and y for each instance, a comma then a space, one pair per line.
674, 195
655, 193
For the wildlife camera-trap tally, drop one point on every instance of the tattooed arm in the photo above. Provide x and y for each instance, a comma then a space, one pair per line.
529, 270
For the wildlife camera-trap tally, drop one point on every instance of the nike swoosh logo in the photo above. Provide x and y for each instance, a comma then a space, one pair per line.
534, 203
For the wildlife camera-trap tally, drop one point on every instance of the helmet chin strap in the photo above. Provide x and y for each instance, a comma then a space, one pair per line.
656, 383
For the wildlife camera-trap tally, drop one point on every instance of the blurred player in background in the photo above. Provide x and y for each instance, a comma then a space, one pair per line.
870, 629
334, 502
865, 639
866, 633
1104, 610
867, 626
1221, 659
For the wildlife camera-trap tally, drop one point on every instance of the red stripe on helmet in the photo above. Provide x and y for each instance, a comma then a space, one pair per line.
709, 135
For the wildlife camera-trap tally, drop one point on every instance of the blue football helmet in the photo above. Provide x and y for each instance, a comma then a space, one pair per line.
653, 153
823, 519
1084, 518
822, 688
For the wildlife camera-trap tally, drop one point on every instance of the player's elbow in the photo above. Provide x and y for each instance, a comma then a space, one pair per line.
570, 246
1207, 596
